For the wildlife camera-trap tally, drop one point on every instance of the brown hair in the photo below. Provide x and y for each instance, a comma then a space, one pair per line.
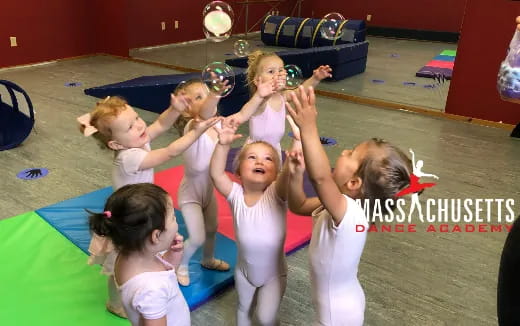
240, 156
103, 113
384, 175
185, 117
253, 62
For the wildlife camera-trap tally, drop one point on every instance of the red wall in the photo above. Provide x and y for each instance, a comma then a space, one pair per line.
109, 26
432, 15
45, 30
486, 32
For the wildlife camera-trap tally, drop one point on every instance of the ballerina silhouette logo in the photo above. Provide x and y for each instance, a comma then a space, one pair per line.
415, 187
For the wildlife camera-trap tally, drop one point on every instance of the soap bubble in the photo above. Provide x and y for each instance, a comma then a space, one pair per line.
242, 48
294, 76
219, 77
330, 28
217, 21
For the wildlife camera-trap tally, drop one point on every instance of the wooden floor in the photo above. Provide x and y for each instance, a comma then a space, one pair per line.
409, 278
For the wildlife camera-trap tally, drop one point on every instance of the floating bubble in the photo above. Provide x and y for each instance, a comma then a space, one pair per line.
294, 76
217, 21
242, 48
219, 77
330, 28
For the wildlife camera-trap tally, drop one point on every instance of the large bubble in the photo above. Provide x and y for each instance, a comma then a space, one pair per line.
219, 77
217, 21
242, 48
330, 28
294, 76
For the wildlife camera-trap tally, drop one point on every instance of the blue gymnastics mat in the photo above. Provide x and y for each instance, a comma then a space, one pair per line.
70, 219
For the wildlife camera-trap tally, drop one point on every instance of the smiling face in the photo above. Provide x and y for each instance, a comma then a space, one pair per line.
128, 130
272, 67
258, 164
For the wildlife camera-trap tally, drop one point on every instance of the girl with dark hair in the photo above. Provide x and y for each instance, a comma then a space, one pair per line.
140, 221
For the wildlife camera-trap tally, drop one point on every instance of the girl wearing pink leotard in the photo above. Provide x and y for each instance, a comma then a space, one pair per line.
268, 122
259, 207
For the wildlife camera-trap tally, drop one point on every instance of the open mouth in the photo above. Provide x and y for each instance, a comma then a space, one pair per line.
259, 170
143, 135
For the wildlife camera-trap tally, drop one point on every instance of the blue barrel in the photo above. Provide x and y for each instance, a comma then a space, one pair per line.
353, 31
270, 28
287, 31
306, 33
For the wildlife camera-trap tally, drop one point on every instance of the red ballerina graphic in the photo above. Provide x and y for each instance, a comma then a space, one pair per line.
415, 186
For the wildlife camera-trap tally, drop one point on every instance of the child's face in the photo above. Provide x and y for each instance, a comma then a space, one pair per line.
128, 130
258, 165
197, 93
170, 227
348, 163
272, 67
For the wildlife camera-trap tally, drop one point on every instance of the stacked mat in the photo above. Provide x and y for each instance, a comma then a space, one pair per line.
440, 65
152, 93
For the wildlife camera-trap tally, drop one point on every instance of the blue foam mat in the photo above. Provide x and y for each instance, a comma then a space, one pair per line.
444, 58
70, 219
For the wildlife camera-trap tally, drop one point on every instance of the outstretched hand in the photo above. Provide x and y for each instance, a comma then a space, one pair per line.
296, 161
179, 103
203, 125
226, 134
303, 110
294, 128
322, 72
265, 88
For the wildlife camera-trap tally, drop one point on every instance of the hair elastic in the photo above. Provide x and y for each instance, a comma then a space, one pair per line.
108, 214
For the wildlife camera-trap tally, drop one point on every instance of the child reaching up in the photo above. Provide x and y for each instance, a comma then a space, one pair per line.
140, 221
117, 126
196, 192
259, 209
375, 171
268, 123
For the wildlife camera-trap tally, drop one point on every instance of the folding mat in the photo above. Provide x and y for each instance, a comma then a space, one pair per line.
441, 64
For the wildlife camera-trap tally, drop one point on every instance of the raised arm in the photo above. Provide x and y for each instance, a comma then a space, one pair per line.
217, 169
161, 155
209, 107
282, 181
318, 75
178, 104
299, 203
263, 90
304, 114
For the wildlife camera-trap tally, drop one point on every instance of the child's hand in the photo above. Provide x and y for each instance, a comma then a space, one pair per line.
281, 80
179, 103
265, 88
217, 86
177, 243
322, 72
203, 125
296, 161
294, 128
227, 135
304, 112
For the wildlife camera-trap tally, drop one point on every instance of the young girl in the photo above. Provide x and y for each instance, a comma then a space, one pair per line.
259, 215
140, 221
116, 125
373, 170
196, 193
268, 123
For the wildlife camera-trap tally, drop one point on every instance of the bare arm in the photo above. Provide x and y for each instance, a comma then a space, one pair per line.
299, 203
154, 322
316, 161
209, 106
263, 90
318, 75
217, 168
178, 104
161, 155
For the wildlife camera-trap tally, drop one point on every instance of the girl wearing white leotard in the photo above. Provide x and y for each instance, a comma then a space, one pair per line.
259, 215
196, 193
374, 170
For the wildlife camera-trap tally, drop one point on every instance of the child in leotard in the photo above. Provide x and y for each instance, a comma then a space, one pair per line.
196, 192
259, 209
268, 122
140, 221
373, 170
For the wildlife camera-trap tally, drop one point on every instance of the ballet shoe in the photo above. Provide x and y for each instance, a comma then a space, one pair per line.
183, 275
216, 265
118, 311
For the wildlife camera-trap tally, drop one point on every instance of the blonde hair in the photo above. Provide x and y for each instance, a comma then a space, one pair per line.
242, 153
102, 115
253, 61
185, 117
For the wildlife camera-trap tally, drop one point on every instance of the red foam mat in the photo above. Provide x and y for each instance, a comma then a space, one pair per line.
299, 228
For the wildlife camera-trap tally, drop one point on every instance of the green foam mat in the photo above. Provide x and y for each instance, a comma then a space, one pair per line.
451, 53
45, 279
